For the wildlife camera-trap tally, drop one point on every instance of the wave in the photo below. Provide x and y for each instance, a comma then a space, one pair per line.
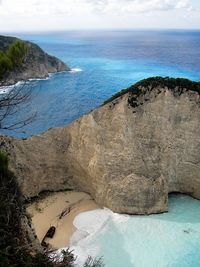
6, 89
39, 79
75, 70
88, 226
125, 240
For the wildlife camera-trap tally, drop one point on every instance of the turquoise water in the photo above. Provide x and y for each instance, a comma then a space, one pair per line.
110, 61
166, 240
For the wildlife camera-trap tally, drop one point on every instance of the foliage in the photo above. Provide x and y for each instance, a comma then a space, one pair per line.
5, 64
17, 52
14, 251
171, 83
118, 94
162, 82
68, 258
14, 57
90, 262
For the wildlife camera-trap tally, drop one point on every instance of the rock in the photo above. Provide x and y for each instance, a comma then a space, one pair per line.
51, 232
128, 158
38, 63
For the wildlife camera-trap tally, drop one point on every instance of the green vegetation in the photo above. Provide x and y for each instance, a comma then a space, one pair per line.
168, 82
14, 57
118, 94
15, 247
177, 85
94, 262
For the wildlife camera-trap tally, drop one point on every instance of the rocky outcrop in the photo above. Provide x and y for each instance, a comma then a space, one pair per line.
38, 64
127, 156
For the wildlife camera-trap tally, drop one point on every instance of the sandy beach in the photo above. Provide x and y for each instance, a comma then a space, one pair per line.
59, 210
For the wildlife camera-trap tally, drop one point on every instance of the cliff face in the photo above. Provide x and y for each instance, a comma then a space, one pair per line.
127, 157
38, 64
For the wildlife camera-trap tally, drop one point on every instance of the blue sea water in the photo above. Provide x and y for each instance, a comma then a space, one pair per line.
110, 61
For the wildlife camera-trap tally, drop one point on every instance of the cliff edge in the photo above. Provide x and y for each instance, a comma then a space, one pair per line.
128, 154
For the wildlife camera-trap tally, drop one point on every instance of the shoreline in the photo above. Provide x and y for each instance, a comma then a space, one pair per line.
59, 210
50, 74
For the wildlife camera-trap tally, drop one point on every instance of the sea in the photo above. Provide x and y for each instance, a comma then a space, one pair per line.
102, 63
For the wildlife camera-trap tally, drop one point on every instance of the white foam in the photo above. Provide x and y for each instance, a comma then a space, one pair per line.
39, 79
88, 225
75, 70
4, 90
119, 218
156, 240
8, 88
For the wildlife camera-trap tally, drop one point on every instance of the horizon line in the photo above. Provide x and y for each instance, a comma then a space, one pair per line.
99, 29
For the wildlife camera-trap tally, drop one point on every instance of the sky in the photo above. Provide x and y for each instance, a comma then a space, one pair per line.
50, 15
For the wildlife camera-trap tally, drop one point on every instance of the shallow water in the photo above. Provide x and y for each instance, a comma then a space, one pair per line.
110, 61
165, 240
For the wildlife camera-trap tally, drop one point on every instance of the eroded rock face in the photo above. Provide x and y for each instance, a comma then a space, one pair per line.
127, 158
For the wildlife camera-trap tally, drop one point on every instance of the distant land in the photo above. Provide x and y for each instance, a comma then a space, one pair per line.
36, 65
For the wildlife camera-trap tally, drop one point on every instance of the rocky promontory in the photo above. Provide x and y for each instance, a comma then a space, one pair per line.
37, 64
129, 154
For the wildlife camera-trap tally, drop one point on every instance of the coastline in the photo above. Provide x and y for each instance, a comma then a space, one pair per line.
4, 89
59, 209
47, 77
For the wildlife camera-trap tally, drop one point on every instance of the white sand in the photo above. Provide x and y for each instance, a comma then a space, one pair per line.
46, 212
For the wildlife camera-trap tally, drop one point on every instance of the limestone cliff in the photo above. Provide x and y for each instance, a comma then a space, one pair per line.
38, 64
128, 154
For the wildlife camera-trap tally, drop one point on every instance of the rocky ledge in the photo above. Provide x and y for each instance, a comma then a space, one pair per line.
129, 154
38, 64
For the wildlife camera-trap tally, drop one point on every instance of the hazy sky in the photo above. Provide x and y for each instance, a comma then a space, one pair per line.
38, 15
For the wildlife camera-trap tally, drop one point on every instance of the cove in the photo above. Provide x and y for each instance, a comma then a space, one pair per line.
168, 239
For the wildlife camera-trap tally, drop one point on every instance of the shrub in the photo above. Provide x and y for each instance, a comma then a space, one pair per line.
154, 82
90, 262
13, 58
17, 52
14, 251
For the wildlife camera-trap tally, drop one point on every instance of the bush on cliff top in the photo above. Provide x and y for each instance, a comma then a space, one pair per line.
13, 57
155, 82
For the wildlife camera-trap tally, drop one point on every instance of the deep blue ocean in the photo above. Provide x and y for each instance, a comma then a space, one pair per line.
104, 62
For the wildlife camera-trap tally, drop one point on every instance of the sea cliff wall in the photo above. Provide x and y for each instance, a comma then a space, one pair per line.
128, 157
